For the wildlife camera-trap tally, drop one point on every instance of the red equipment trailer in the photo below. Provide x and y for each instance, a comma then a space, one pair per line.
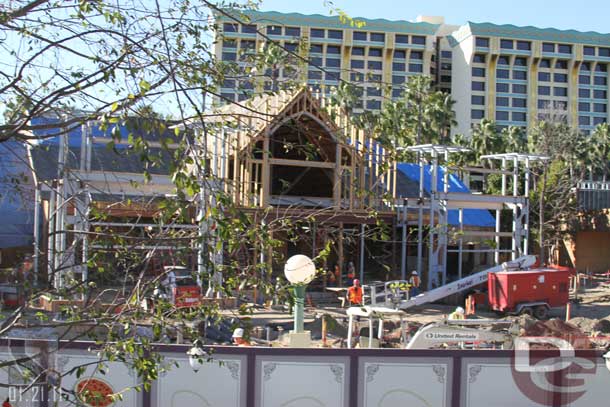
531, 292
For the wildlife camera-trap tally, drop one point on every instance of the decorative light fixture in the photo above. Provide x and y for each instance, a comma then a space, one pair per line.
197, 356
299, 270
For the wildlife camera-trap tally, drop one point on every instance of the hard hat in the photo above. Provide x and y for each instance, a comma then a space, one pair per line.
459, 310
414, 272
356, 281
238, 333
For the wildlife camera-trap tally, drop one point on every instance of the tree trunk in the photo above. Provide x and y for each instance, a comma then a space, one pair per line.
541, 216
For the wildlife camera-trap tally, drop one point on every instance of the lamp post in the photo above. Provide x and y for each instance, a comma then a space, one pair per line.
299, 271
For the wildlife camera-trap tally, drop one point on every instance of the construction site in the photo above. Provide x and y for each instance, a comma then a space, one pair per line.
380, 254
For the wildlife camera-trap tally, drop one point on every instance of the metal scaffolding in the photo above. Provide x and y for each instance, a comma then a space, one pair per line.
441, 200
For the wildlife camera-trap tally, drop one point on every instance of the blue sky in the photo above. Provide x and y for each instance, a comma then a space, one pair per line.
591, 15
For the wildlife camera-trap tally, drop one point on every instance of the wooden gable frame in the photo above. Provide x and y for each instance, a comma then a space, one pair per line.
356, 159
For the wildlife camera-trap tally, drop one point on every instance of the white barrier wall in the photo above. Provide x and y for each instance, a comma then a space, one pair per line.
273, 377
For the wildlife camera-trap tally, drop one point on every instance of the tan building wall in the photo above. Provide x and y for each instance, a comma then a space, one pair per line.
593, 251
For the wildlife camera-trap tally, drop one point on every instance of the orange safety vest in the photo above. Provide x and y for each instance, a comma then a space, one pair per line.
354, 294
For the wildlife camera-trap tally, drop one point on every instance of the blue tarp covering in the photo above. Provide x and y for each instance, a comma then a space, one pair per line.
472, 217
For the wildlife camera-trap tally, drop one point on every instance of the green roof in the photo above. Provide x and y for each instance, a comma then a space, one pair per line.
529, 33
321, 21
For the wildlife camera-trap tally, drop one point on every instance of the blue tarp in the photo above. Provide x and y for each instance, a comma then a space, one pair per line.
472, 217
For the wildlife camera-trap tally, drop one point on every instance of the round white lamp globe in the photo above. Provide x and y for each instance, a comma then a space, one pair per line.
299, 269
197, 357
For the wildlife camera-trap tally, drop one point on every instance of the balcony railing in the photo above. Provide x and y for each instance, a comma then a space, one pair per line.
593, 195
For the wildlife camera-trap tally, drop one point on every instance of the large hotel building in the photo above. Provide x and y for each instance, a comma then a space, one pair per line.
509, 74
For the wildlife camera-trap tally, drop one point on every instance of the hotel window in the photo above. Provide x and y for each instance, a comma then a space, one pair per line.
501, 101
560, 91
293, 31
400, 54
478, 85
248, 28
373, 104
477, 114
520, 75
417, 55
290, 47
503, 61
519, 102
229, 56
584, 93
600, 108
584, 79
600, 80
520, 61
501, 115
445, 78
228, 83
356, 77
478, 72
584, 107
416, 68
543, 103
332, 76
478, 59
503, 73
585, 66
548, 47
418, 40
335, 34
600, 94
482, 42
314, 74
333, 62
277, 30
447, 66
564, 49
545, 63
316, 33
359, 36
375, 52
584, 120
399, 66
374, 77
229, 44
561, 65
519, 117
373, 92
524, 45
375, 65
315, 61
507, 44
544, 90
397, 80
333, 49
598, 120
589, 50
604, 52
402, 39
544, 76
502, 87
519, 88
396, 93
245, 44
377, 37
477, 100
315, 48
560, 77
357, 64
358, 51
229, 27
446, 54
601, 68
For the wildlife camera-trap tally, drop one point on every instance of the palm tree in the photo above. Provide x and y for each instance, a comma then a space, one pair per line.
485, 138
514, 139
600, 143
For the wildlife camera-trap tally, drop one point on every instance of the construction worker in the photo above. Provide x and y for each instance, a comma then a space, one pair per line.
351, 273
7, 403
414, 282
355, 293
457, 314
238, 338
